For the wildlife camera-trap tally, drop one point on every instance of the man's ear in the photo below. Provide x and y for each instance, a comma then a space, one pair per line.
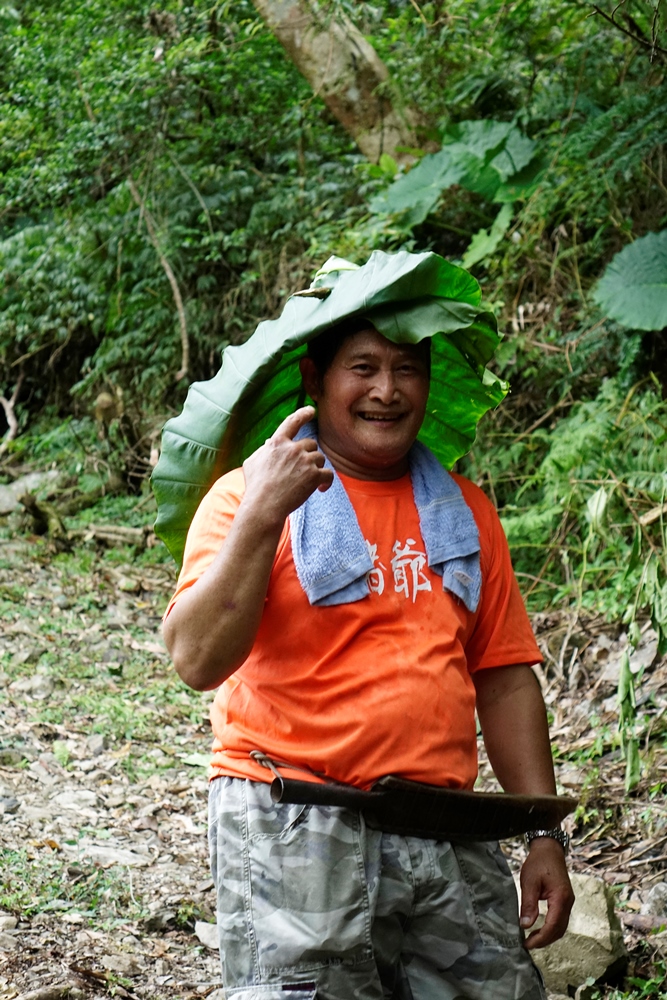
310, 378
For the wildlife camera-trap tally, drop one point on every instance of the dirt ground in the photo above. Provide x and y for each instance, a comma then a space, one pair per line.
104, 875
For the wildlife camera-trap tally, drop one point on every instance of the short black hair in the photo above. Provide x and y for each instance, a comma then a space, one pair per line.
323, 349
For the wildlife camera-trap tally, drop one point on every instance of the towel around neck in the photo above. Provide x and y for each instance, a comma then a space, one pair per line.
333, 566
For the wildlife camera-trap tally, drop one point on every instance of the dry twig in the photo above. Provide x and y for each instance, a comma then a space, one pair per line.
114, 534
10, 415
171, 277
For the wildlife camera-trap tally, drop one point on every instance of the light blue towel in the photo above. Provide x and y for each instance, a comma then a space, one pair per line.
331, 555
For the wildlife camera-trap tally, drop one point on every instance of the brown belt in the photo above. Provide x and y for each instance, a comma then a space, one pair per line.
414, 809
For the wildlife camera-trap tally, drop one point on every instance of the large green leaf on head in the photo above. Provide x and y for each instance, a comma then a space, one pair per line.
633, 289
407, 297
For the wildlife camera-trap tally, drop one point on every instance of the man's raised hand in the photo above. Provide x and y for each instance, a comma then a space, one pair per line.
213, 625
283, 473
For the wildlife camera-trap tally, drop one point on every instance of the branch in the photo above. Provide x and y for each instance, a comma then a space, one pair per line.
85, 98
166, 266
46, 520
545, 416
644, 42
343, 68
654, 26
114, 534
12, 423
420, 12
195, 190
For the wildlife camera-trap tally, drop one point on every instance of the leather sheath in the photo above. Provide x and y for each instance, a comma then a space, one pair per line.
414, 809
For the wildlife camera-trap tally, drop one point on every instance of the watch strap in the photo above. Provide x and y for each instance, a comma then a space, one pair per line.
555, 834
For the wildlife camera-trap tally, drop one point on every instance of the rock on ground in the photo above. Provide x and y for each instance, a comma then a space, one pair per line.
593, 943
9, 495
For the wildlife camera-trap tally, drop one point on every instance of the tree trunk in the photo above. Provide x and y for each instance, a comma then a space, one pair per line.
346, 72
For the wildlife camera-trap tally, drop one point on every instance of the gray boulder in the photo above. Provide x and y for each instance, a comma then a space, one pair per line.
656, 901
9, 495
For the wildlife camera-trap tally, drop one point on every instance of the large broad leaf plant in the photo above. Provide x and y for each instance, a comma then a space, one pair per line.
491, 158
633, 289
407, 297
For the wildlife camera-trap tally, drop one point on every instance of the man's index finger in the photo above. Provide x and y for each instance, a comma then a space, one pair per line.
292, 424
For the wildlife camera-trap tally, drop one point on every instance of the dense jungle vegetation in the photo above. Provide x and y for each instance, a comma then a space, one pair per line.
168, 178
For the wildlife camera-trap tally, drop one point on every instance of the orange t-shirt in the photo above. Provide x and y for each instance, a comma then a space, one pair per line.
378, 686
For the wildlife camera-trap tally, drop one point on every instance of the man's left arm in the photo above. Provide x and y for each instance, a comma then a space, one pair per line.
516, 736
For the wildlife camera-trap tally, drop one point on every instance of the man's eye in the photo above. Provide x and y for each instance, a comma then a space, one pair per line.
363, 369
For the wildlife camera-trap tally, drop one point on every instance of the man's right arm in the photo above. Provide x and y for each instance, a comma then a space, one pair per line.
212, 627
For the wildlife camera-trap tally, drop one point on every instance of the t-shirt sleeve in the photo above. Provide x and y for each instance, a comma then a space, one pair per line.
209, 529
502, 635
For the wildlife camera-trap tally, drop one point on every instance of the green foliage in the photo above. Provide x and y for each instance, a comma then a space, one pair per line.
487, 157
639, 988
627, 716
486, 241
231, 180
571, 514
246, 186
633, 289
578, 88
587, 519
32, 882
490, 158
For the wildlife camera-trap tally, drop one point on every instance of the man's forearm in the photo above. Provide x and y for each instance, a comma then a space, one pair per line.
211, 628
516, 735
514, 726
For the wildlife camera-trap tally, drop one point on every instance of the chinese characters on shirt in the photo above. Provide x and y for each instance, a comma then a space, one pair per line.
407, 567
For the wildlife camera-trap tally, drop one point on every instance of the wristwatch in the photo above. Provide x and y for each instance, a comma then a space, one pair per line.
556, 834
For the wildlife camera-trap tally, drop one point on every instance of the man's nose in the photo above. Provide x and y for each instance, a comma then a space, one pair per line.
384, 387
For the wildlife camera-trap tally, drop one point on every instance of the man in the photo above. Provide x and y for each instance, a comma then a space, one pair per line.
311, 902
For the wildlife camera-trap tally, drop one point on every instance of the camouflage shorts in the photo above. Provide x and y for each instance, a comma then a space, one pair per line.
312, 905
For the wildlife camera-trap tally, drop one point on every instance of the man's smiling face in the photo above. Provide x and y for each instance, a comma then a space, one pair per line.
370, 404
